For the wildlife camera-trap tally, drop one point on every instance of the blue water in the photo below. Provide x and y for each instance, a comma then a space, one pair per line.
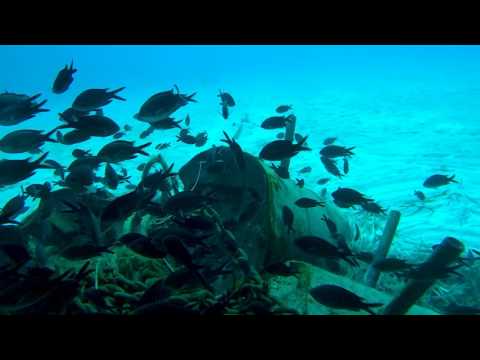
411, 111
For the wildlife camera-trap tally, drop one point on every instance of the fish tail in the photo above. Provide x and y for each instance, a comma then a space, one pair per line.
141, 147
190, 97
452, 179
48, 138
114, 95
36, 96
37, 107
39, 160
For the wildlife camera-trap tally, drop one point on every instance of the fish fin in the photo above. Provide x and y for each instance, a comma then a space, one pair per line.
48, 138
190, 97
140, 151
452, 179
40, 159
114, 95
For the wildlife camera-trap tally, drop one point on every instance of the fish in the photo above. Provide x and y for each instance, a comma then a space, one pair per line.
373, 207
162, 146
127, 127
282, 149
84, 251
141, 166
391, 265
283, 268
281, 171
187, 120
333, 151
305, 203
119, 134
455, 309
288, 217
225, 111
299, 138
237, 151
14, 171
346, 197
226, 98
156, 181
435, 181
329, 140
280, 135
121, 150
283, 109
323, 181
332, 227
17, 108
93, 99
92, 162
59, 169
79, 153
195, 222
63, 79
336, 297
420, 195
276, 122
142, 245
316, 246
92, 125
300, 183
20, 141
186, 201
80, 177
161, 105
305, 170
14, 207
72, 137
330, 166
346, 168
38, 190
201, 139
187, 139
112, 179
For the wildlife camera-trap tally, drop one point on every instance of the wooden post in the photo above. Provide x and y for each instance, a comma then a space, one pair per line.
372, 275
445, 254
289, 135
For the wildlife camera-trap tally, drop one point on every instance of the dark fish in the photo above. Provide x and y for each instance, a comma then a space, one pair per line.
13, 171
24, 141
276, 122
162, 146
281, 171
92, 162
79, 153
305, 202
333, 151
161, 105
17, 108
187, 120
339, 298
420, 195
305, 170
287, 217
283, 109
299, 138
455, 309
156, 181
187, 139
236, 149
329, 140
64, 79
141, 166
201, 139
349, 197
392, 265
225, 111
14, 207
226, 98
93, 99
331, 166
119, 134
430, 273
112, 179
323, 181
186, 201
317, 246
300, 183
83, 252
282, 149
346, 168
332, 227
80, 177
283, 268
280, 135
195, 222
142, 245
127, 127
38, 190
72, 115
121, 150
92, 125
59, 169
439, 180
72, 137
373, 207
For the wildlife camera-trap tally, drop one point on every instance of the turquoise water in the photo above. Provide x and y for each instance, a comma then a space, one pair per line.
410, 111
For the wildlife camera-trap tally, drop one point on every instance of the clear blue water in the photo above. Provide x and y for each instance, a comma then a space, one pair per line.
411, 111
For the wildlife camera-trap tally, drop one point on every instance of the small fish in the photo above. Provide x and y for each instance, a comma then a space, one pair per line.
283, 109
283, 268
281, 171
435, 181
305, 202
373, 207
276, 122
337, 297
332, 227
225, 112
288, 217
79, 153
226, 98
141, 166
187, 120
305, 170
121, 150
83, 252
38, 190
280, 135
201, 139
323, 181
346, 168
64, 79
300, 183
187, 139
13, 171
346, 197
162, 146
331, 166
329, 140
237, 151
119, 134
282, 149
127, 127
333, 151
391, 265
420, 195
93, 99
299, 138
316, 246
